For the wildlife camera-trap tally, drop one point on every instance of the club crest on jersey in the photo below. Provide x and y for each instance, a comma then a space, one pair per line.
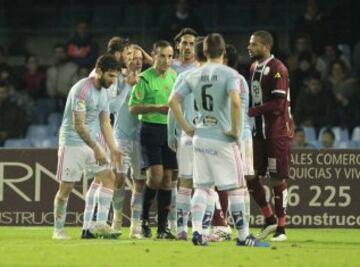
80, 105
277, 75
266, 70
138, 95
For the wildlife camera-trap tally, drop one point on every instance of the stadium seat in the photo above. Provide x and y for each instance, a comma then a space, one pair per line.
43, 107
54, 122
17, 143
310, 134
347, 144
38, 132
341, 144
356, 134
341, 134
315, 143
46, 143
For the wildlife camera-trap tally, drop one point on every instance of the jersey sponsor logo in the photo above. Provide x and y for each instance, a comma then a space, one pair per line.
80, 105
210, 121
208, 151
195, 120
277, 75
256, 92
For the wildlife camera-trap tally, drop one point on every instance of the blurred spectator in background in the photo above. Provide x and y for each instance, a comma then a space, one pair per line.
81, 49
300, 139
3, 63
312, 24
302, 44
12, 117
344, 88
327, 138
182, 16
301, 75
315, 105
83, 72
61, 76
330, 53
34, 78
356, 58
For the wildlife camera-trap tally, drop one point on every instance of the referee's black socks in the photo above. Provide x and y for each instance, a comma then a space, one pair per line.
164, 202
148, 199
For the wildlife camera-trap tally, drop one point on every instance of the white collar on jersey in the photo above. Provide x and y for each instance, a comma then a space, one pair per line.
264, 62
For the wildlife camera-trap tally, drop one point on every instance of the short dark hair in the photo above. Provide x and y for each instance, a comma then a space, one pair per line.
231, 55
160, 44
199, 49
266, 38
214, 44
117, 44
107, 62
185, 31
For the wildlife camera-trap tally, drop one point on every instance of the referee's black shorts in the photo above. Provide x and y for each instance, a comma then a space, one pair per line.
153, 138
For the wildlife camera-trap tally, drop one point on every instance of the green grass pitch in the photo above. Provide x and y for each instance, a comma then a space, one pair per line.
33, 246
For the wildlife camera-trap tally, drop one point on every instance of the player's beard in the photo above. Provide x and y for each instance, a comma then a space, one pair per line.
257, 57
103, 83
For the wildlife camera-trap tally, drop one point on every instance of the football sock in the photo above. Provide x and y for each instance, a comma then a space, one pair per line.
164, 202
247, 204
136, 205
148, 199
280, 193
258, 193
105, 196
209, 211
118, 202
89, 205
223, 198
219, 218
172, 213
183, 202
198, 207
237, 209
59, 212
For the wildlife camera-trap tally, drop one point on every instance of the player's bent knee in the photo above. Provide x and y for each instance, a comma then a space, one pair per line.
107, 178
154, 182
187, 183
166, 184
